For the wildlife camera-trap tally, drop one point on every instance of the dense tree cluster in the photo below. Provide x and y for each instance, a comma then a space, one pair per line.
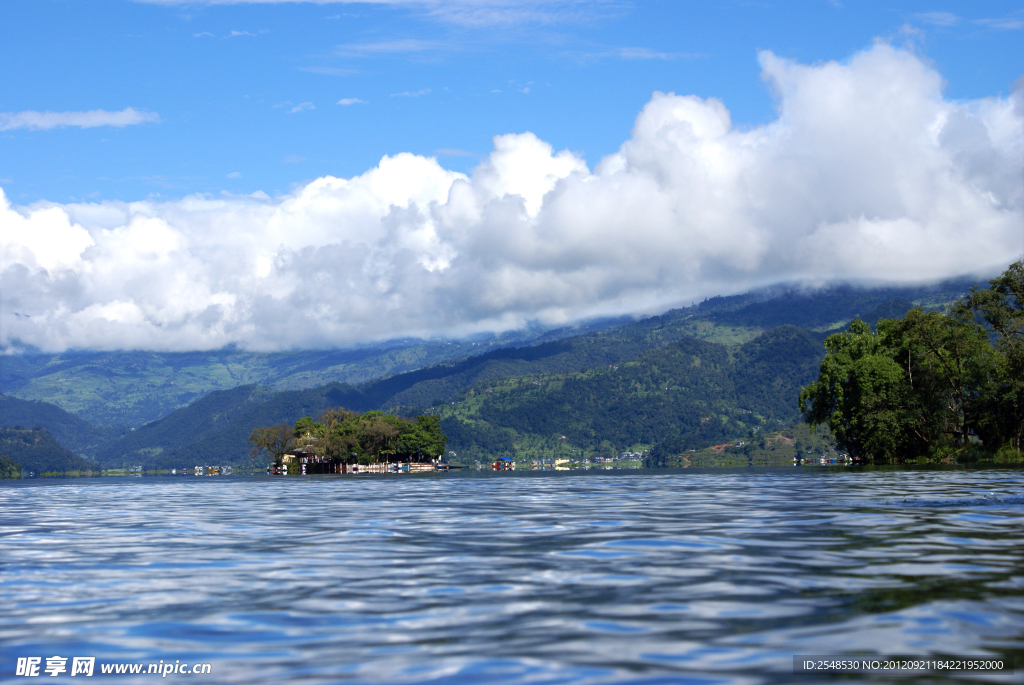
351, 437
9, 468
930, 385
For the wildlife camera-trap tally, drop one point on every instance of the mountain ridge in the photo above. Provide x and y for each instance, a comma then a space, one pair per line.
214, 427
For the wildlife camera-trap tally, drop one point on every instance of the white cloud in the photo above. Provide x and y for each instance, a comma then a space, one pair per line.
1009, 23
329, 71
646, 53
465, 12
351, 101
868, 173
301, 107
411, 94
454, 152
638, 53
235, 174
390, 47
40, 121
939, 18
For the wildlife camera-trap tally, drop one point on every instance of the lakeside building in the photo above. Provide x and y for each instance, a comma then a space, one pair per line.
306, 462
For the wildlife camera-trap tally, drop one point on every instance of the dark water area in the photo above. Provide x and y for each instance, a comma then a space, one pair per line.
600, 577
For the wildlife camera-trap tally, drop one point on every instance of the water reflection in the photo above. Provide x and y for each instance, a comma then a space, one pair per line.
597, 577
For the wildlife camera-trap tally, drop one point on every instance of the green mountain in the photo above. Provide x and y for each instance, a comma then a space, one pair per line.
74, 433
730, 321
207, 415
689, 377
37, 452
134, 388
691, 392
689, 389
215, 429
827, 308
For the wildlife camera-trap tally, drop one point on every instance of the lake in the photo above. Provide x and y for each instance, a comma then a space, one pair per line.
682, 576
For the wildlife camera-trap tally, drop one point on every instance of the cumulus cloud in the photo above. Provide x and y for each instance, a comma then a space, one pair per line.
41, 121
867, 173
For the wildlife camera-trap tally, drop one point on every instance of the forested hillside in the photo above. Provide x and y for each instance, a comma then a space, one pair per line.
215, 430
36, 451
691, 392
74, 433
828, 308
691, 376
134, 388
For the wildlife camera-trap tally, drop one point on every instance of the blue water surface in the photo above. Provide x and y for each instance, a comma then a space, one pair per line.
629, 577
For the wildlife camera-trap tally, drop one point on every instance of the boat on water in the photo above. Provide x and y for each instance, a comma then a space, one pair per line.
504, 464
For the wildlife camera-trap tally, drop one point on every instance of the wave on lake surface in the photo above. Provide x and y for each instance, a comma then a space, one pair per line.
645, 577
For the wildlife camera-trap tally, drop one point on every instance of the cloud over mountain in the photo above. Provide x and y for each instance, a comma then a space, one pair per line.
867, 173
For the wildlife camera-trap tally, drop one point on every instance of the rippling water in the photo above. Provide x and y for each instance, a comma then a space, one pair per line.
647, 577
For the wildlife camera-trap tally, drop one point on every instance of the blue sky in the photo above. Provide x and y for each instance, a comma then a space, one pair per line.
279, 175
247, 93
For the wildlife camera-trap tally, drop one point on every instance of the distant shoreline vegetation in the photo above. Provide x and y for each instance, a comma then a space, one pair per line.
946, 387
339, 436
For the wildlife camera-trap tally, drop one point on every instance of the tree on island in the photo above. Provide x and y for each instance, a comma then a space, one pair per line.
348, 437
929, 385
273, 441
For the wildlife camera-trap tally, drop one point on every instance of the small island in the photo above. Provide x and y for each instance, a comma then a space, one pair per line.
342, 441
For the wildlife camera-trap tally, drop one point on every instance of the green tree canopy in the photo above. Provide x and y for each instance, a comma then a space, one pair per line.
1001, 307
9, 468
271, 440
929, 384
349, 436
